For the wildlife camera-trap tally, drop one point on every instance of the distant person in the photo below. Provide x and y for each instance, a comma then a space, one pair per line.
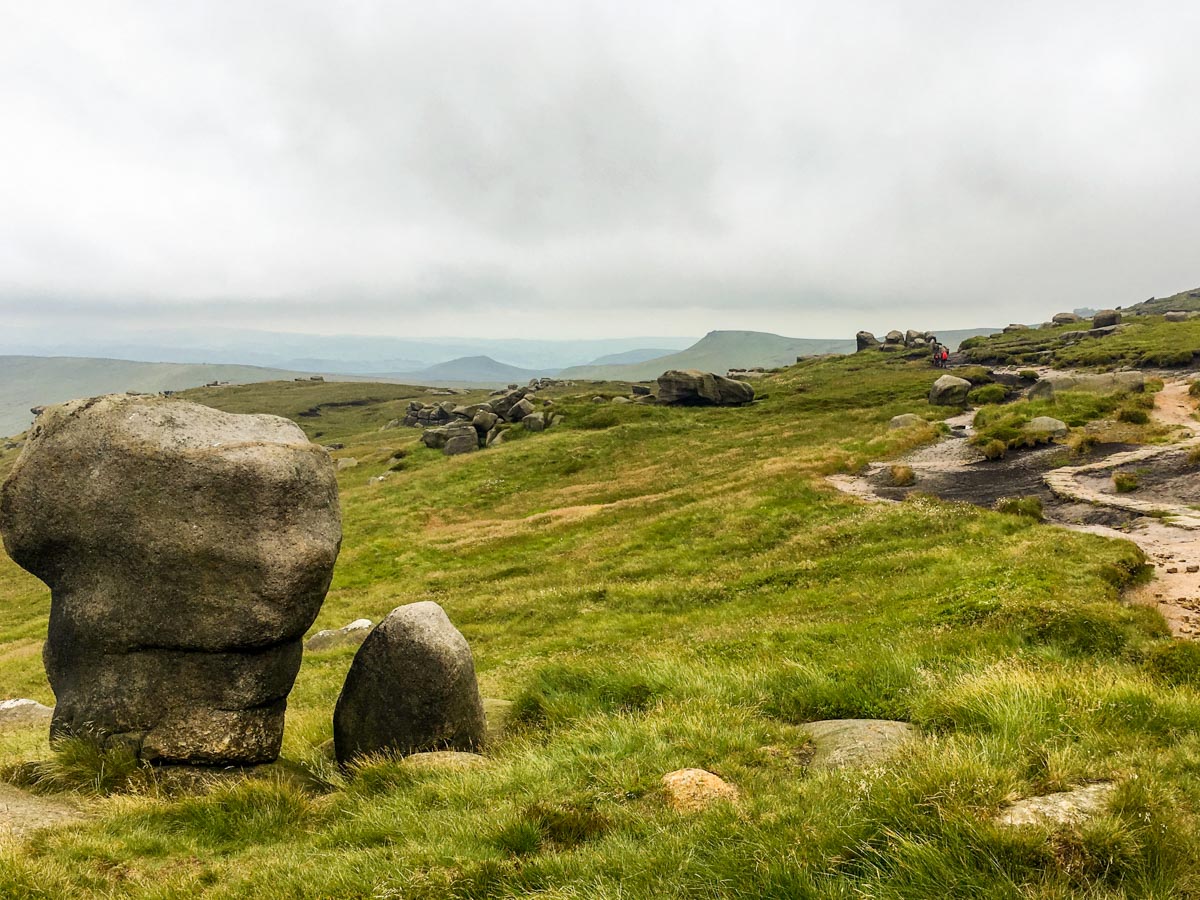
945, 357
937, 355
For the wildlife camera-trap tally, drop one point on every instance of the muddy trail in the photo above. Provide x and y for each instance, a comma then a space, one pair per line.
1162, 516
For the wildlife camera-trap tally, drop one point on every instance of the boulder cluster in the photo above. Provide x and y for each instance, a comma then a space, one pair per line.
691, 387
896, 340
455, 429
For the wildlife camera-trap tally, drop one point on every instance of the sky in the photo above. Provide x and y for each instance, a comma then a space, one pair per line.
592, 169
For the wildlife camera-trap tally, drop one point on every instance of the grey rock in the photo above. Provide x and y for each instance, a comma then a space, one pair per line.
621, 400
894, 337
15, 713
347, 636
639, 390
485, 421
691, 387
392, 423
1065, 318
1046, 426
411, 688
435, 438
1104, 383
519, 410
1106, 318
1176, 316
865, 341
839, 743
905, 420
460, 438
949, 390
1063, 808
346, 462
535, 422
187, 551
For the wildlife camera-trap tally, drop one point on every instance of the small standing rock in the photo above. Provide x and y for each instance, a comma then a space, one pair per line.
411, 688
347, 636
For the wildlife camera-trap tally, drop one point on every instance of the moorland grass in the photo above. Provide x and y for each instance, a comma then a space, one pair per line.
665, 588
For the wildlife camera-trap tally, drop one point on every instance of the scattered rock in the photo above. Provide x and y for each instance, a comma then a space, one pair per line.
893, 337
865, 341
691, 387
1046, 426
187, 551
1065, 318
410, 688
346, 462
621, 400
855, 742
949, 390
693, 790
1106, 383
1106, 318
460, 438
1064, 808
347, 636
905, 420
535, 422
1176, 315
15, 713
1009, 329
639, 390
444, 759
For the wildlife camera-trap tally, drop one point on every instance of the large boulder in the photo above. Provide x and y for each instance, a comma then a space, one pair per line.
411, 688
865, 341
187, 551
461, 437
949, 390
1105, 318
1176, 315
905, 420
1065, 318
893, 337
691, 387
1046, 427
1104, 383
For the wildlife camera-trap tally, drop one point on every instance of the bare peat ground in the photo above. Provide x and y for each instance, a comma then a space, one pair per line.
1162, 516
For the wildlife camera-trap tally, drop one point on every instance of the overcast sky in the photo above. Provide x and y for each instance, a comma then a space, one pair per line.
571, 169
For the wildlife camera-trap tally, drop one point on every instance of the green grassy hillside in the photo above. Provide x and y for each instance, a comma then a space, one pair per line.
1142, 341
664, 588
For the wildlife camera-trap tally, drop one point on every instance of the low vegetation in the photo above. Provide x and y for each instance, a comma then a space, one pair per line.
1142, 341
663, 588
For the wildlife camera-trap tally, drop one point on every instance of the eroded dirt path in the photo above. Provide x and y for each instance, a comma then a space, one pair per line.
1165, 525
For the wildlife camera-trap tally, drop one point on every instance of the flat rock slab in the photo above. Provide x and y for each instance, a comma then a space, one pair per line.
16, 713
1064, 808
855, 742
22, 812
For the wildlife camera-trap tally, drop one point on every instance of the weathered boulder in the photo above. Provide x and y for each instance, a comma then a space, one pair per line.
187, 551
1104, 383
519, 410
535, 422
866, 340
1106, 317
346, 462
894, 337
484, 421
435, 438
1015, 326
949, 390
905, 420
347, 636
411, 688
692, 790
1046, 427
461, 437
1176, 315
639, 390
1065, 318
912, 337
691, 387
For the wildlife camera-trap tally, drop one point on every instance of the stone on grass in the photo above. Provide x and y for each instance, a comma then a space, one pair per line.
346, 462
461, 437
1065, 318
411, 688
949, 390
693, 790
1176, 315
1063, 808
535, 422
187, 551
691, 387
347, 636
1106, 318
855, 742
1104, 383
1047, 427
15, 713
639, 390
905, 420
864, 340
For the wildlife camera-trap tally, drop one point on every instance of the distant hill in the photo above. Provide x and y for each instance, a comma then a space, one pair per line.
27, 381
1185, 300
717, 351
476, 370
630, 356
